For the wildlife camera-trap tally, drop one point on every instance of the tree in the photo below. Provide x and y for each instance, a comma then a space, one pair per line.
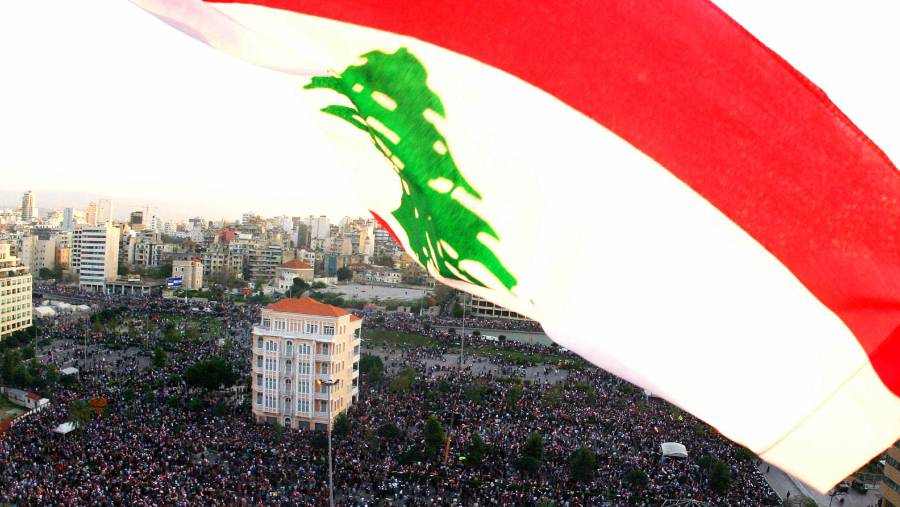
191, 333
476, 450
442, 294
434, 436
384, 260
475, 392
344, 274
532, 454
45, 274
403, 381
159, 357
210, 374
584, 464
298, 287
717, 474
341, 427
513, 395
457, 311
636, 478
171, 332
81, 412
389, 431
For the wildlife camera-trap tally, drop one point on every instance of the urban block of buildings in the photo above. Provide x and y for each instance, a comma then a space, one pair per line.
305, 363
15, 293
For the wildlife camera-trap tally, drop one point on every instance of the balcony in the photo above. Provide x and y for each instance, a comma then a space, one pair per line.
294, 335
324, 357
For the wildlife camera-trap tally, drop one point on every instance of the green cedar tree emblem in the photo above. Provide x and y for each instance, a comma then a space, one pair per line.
394, 105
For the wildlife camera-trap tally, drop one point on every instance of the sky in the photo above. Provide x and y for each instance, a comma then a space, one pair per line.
100, 99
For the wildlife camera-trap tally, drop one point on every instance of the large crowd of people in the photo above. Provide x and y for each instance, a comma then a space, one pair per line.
156, 444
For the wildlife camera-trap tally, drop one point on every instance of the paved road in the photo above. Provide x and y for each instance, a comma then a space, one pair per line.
784, 484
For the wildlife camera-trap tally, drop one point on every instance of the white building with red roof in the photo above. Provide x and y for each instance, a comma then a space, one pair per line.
305, 363
287, 272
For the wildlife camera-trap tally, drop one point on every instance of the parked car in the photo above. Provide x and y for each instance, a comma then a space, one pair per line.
859, 486
843, 487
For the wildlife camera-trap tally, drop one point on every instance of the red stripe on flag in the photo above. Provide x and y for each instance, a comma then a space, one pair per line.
386, 227
689, 87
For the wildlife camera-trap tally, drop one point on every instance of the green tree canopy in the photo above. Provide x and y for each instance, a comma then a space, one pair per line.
159, 357
341, 427
513, 395
210, 374
532, 454
344, 274
584, 465
476, 451
434, 435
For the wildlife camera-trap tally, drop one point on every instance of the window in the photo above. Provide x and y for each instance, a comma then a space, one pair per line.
279, 325
303, 368
266, 323
259, 343
259, 361
259, 399
328, 330
259, 380
289, 347
304, 348
303, 406
312, 327
303, 387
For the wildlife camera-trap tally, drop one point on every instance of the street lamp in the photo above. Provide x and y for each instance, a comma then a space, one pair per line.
329, 383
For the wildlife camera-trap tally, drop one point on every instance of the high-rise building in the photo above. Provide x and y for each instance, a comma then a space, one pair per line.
90, 214
29, 207
136, 219
104, 212
890, 482
319, 227
68, 221
15, 293
305, 363
95, 255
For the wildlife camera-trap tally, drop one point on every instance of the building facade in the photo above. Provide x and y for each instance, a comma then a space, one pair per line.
190, 271
95, 255
477, 307
890, 482
29, 205
15, 293
287, 272
305, 363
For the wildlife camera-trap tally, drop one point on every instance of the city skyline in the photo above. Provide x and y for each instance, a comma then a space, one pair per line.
12, 199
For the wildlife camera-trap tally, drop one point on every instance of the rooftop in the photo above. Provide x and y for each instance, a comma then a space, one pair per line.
306, 306
295, 264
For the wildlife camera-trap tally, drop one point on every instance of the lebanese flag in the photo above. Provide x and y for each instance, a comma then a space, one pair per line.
665, 194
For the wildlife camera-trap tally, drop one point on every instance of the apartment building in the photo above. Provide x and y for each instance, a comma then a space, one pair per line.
95, 255
15, 293
287, 272
190, 271
890, 483
263, 260
305, 363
